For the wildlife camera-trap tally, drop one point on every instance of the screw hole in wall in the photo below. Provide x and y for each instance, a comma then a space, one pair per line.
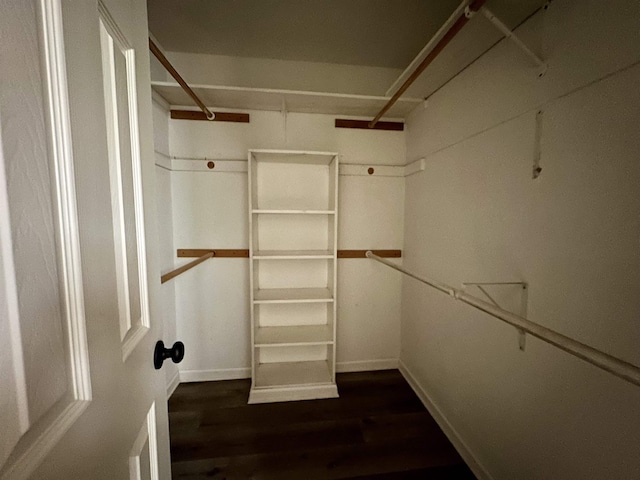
211, 165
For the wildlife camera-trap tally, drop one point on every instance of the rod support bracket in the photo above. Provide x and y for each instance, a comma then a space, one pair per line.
508, 33
524, 299
468, 12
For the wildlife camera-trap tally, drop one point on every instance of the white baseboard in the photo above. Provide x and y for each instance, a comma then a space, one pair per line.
214, 375
449, 430
173, 383
238, 373
367, 365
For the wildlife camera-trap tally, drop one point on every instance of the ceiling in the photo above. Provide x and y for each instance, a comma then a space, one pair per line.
380, 33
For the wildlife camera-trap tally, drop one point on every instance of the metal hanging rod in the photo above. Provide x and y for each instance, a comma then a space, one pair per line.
174, 73
443, 42
604, 361
174, 273
438, 35
452, 25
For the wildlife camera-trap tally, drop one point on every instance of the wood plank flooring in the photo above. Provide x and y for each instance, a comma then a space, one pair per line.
378, 429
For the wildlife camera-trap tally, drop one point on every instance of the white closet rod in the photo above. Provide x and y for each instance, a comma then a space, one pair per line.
606, 362
429, 46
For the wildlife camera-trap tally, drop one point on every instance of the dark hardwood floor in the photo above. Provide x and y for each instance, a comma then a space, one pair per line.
378, 429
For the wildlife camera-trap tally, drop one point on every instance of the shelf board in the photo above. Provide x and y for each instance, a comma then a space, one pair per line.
292, 254
294, 335
289, 157
292, 295
293, 212
247, 98
292, 373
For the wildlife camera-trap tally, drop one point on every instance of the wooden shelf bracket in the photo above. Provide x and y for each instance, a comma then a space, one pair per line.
174, 273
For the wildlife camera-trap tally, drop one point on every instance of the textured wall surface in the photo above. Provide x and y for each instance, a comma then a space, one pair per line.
32, 211
475, 214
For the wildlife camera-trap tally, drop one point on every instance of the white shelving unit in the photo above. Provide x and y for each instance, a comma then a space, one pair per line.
293, 219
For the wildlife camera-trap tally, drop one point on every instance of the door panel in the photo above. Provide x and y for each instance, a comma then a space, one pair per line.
31, 209
14, 416
143, 460
75, 253
47, 360
119, 80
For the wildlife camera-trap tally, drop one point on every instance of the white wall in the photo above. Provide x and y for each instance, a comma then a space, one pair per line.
283, 74
210, 211
475, 214
156, 69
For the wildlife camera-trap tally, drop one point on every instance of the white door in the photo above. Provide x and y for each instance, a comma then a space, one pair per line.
79, 277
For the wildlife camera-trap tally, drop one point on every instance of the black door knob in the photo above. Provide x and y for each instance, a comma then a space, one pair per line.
160, 354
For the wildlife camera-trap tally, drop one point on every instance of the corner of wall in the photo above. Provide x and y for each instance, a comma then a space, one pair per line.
449, 430
172, 382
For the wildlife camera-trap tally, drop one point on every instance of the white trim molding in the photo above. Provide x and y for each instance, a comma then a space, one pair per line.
358, 170
214, 375
173, 383
228, 165
147, 434
367, 365
59, 132
41, 439
449, 430
203, 165
240, 373
414, 167
132, 330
